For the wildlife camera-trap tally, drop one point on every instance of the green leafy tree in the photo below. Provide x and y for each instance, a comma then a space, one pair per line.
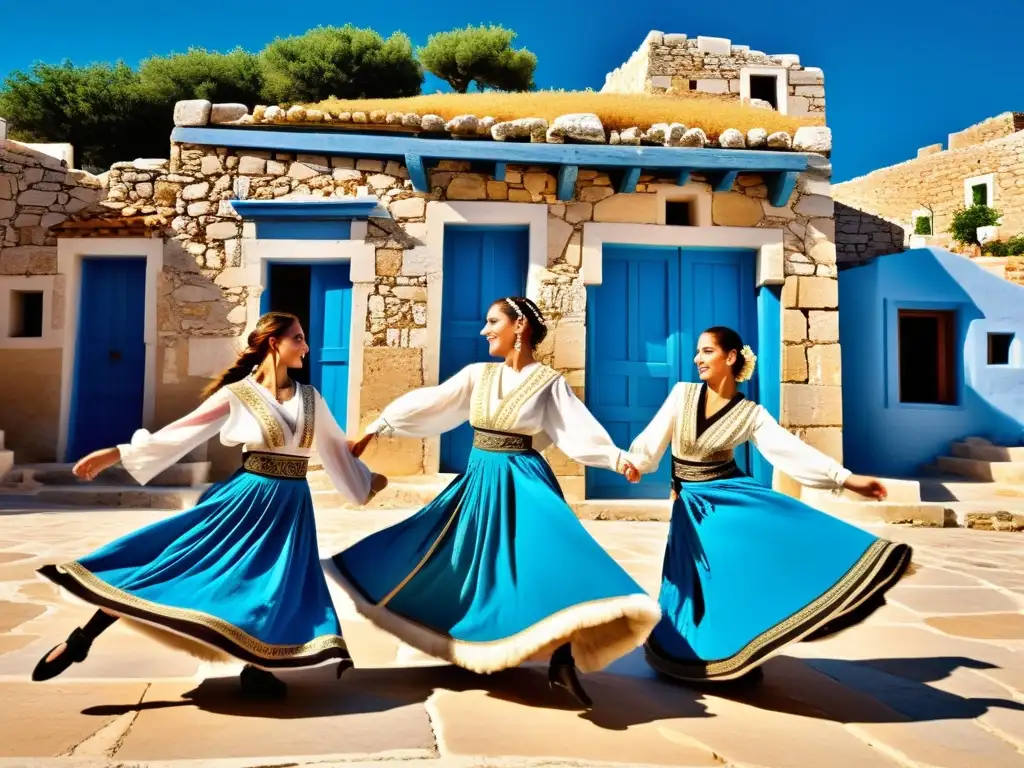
481, 55
343, 62
94, 108
235, 77
967, 220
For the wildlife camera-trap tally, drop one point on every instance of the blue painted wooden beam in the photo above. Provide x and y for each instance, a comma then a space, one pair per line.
722, 181
567, 181
417, 172
629, 180
499, 171
309, 210
780, 187
351, 144
683, 178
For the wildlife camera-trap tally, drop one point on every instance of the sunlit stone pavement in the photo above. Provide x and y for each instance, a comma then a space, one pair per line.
935, 679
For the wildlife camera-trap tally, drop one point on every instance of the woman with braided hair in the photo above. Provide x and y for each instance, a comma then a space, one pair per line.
748, 571
238, 575
497, 569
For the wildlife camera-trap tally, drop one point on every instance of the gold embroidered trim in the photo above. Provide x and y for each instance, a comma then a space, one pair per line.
703, 472
508, 411
237, 636
276, 465
273, 434
308, 416
717, 442
501, 441
837, 593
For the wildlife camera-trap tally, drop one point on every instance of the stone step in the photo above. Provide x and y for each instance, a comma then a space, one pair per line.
989, 452
920, 513
989, 471
401, 493
182, 475
6, 462
641, 510
115, 496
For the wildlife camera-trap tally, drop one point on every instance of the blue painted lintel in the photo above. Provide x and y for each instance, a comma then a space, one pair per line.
629, 180
567, 181
350, 144
683, 178
499, 171
722, 181
310, 210
417, 172
780, 187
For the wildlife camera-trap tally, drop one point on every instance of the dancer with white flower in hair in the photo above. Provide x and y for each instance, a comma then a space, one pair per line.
748, 571
497, 569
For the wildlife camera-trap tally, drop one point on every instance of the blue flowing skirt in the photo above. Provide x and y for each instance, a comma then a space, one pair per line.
238, 575
495, 571
748, 571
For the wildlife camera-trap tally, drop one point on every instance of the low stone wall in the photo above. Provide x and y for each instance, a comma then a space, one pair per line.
37, 192
998, 127
936, 181
672, 63
860, 237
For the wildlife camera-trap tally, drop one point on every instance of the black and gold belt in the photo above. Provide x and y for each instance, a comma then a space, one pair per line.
700, 472
507, 442
277, 465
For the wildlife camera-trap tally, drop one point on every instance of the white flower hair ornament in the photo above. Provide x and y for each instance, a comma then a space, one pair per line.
749, 363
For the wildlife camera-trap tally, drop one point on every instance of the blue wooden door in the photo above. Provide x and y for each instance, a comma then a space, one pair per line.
480, 266
717, 288
330, 319
110, 355
633, 354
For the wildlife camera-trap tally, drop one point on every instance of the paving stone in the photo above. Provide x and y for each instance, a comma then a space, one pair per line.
15, 614
989, 626
951, 599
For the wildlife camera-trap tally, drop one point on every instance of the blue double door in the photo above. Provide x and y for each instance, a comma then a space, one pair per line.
321, 296
643, 322
481, 265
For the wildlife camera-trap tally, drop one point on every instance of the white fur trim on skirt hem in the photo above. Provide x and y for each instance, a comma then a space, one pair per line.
600, 632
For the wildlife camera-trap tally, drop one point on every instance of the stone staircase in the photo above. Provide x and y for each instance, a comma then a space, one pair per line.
54, 485
905, 505
978, 459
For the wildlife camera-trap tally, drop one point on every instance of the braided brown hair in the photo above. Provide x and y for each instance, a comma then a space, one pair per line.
272, 325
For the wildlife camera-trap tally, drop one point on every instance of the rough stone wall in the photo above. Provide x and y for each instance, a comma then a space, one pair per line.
674, 63
936, 181
998, 127
37, 192
206, 286
860, 237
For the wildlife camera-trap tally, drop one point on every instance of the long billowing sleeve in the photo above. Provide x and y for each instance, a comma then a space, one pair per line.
649, 446
793, 456
149, 454
348, 474
576, 432
428, 411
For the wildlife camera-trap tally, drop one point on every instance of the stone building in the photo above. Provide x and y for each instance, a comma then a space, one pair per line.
713, 65
983, 163
391, 245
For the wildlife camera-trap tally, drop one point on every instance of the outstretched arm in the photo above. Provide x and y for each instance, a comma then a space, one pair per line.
149, 454
348, 474
577, 433
649, 446
793, 456
427, 411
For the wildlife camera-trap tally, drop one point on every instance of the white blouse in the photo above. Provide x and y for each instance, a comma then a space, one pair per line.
676, 423
245, 413
536, 401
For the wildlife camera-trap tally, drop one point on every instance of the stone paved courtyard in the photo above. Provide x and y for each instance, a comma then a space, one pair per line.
935, 679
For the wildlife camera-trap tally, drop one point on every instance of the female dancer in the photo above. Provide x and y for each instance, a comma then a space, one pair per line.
748, 571
239, 574
497, 569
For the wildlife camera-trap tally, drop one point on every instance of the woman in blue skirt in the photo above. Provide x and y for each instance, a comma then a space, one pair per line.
497, 569
238, 575
747, 571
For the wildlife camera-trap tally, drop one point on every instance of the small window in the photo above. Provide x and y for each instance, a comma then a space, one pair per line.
927, 357
26, 314
677, 213
765, 87
979, 194
999, 348
693, 85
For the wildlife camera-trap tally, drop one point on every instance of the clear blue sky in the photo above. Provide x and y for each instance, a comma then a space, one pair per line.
900, 74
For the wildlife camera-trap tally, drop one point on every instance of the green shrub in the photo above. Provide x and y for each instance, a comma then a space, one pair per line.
966, 222
998, 248
923, 225
1015, 245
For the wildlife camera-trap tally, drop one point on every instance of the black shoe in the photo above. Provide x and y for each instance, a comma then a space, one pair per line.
564, 676
76, 649
344, 665
260, 684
